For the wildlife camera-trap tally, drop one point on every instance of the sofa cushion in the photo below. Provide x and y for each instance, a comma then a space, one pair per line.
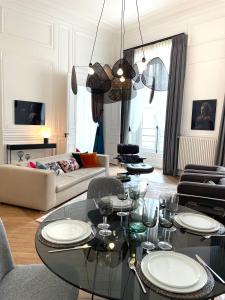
78, 159
69, 165
53, 166
40, 165
222, 181
89, 160
221, 169
67, 180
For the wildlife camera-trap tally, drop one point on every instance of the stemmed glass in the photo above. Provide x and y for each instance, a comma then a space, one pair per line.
123, 197
166, 223
149, 218
105, 206
166, 220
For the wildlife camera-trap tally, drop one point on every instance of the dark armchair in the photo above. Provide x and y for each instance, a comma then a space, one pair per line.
128, 154
203, 169
203, 192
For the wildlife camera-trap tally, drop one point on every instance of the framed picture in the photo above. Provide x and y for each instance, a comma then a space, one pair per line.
203, 114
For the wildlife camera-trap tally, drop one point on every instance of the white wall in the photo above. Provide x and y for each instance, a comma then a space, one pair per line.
37, 51
205, 73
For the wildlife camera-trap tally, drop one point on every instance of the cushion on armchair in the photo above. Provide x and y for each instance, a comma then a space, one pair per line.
129, 159
221, 169
222, 181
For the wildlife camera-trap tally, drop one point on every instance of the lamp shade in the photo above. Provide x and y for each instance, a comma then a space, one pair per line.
99, 82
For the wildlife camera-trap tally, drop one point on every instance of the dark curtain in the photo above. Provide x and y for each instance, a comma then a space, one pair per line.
125, 105
220, 150
97, 101
174, 103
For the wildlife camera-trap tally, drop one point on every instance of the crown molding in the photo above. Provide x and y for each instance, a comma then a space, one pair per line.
192, 11
58, 13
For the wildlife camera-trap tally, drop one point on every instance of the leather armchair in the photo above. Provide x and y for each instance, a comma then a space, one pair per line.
196, 192
203, 169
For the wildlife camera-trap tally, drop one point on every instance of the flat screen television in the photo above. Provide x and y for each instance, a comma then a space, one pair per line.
29, 113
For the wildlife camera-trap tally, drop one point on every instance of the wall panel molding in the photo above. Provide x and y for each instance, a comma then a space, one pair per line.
30, 29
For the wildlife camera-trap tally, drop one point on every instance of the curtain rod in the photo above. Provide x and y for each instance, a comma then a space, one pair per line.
155, 42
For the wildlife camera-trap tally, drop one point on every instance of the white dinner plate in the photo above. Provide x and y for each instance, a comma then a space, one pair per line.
172, 272
66, 231
117, 203
166, 267
197, 222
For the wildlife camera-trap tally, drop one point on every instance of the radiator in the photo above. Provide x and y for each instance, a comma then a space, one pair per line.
196, 150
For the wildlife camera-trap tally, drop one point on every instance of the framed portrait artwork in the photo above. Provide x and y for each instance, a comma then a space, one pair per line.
203, 114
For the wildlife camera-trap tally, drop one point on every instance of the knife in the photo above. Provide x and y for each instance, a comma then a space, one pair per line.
205, 265
68, 249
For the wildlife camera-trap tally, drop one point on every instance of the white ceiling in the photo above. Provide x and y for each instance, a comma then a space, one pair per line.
147, 8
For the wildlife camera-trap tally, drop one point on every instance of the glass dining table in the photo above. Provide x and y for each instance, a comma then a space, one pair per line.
103, 268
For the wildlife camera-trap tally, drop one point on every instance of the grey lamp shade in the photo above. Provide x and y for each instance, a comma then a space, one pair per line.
74, 81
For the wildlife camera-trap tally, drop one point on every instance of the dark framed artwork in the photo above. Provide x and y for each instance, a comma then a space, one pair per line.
203, 114
29, 113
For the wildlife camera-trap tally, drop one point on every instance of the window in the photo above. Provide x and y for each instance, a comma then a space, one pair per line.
85, 126
147, 121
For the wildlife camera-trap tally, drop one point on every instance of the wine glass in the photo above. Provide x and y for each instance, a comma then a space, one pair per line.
105, 206
166, 223
143, 187
123, 212
134, 193
149, 218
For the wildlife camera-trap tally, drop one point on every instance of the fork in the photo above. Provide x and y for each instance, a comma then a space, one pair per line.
131, 263
212, 235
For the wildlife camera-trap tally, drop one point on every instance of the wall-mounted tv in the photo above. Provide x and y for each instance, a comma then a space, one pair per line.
29, 113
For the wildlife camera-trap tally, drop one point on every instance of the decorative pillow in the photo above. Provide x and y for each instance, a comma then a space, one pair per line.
221, 169
53, 166
40, 166
78, 159
89, 160
69, 165
222, 181
32, 165
211, 182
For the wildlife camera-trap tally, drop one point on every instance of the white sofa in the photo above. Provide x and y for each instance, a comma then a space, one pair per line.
42, 189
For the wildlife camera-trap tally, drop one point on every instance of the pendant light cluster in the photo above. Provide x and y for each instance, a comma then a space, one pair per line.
116, 83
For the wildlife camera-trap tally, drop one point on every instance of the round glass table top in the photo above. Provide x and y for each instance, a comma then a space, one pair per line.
103, 269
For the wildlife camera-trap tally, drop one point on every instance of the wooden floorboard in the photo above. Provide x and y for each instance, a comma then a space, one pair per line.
21, 226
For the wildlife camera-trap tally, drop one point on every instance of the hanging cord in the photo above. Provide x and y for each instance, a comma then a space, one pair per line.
139, 25
121, 32
123, 24
92, 52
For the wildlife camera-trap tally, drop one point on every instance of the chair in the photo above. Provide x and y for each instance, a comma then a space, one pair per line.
203, 192
128, 155
30, 282
104, 186
191, 168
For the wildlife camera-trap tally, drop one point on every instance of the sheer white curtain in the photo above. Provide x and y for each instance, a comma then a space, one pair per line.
161, 50
85, 127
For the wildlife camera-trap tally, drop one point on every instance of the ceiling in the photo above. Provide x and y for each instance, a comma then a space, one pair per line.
111, 16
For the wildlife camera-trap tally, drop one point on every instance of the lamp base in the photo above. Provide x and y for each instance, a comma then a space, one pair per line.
45, 140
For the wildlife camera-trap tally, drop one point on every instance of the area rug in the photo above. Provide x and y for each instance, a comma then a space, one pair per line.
154, 190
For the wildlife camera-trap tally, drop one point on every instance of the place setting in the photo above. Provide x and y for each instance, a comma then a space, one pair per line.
175, 275
199, 224
66, 234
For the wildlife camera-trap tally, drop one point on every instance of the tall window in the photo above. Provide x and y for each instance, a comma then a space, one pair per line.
147, 121
85, 127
